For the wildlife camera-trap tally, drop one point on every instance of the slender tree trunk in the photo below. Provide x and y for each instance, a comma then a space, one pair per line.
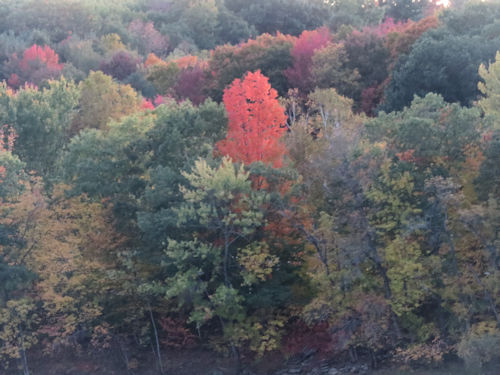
234, 350
487, 295
351, 354
158, 352
24, 358
373, 359
236, 355
123, 352
226, 258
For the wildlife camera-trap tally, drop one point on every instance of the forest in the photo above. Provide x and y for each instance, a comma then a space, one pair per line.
249, 183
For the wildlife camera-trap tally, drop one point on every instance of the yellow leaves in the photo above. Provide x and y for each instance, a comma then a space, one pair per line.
269, 336
491, 90
67, 243
261, 335
17, 312
485, 327
102, 100
426, 354
257, 262
221, 181
111, 43
101, 337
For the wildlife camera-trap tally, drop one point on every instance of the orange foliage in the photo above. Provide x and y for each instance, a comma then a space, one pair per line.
186, 61
256, 122
152, 59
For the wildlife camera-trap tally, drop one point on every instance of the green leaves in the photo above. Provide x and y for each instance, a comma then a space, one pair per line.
490, 88
42, 120
223, 183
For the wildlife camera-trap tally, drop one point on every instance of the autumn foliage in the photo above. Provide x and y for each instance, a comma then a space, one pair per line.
7, 138
44, 55
299, 75
38, 63
256, 122
174, 184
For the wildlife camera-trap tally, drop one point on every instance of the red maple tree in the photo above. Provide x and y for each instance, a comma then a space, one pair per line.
308, 43
44, 55
256, 122
38, 63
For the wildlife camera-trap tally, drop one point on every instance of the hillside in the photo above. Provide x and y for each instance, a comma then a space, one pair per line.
235, 187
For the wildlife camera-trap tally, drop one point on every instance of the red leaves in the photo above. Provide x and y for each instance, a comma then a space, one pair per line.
190, 84
44, 55
38, 63
401, 39
2, 173
299, 75
386, 27
302, 336
148, 38
177, 336
121, 65
256, 122
147, 104
407, 155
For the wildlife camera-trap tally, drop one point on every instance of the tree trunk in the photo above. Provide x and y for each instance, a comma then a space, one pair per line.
226, 259
236, 355
158, 352
373, 359
24, 358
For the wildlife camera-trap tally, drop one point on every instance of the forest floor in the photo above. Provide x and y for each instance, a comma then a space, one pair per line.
205, 362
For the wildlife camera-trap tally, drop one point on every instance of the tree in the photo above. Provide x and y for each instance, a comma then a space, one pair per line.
164, 76
487, 182
448, 130
305, 46
256, 122
329, 70
121, 65
270, 54
400, 40
79, 54
490, 88
357, 13
110, 44
289, 17
101, 100
64, 247
459, 46
367, 54
402, 10
42, 120
228, 271
147, 39
38, 64
191, 83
